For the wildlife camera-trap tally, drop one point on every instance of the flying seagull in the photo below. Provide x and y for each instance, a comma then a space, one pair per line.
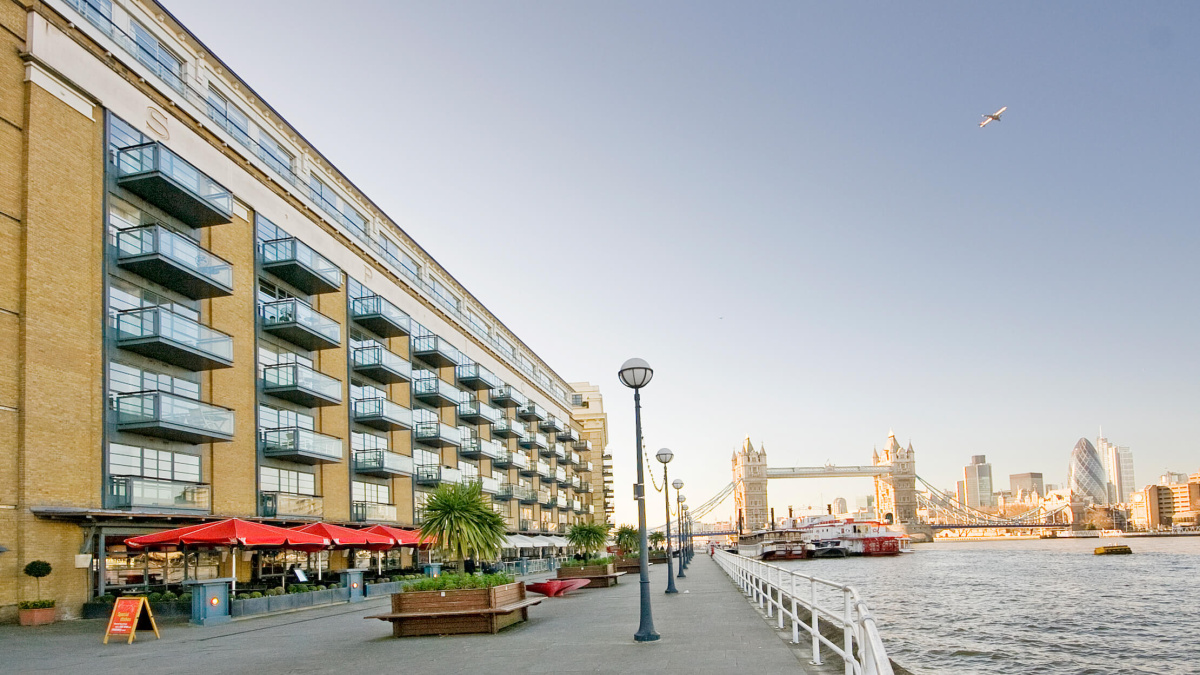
994, 117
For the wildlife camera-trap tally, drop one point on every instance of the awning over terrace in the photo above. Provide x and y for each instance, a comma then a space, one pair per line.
231, 532
345, 537
519, 541
402, 537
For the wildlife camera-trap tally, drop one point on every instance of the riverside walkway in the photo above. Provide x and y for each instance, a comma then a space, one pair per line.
709, 629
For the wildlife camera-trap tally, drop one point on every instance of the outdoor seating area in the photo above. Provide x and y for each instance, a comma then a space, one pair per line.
458, 612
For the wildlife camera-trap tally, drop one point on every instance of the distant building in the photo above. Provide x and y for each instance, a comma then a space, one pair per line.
1172, 478
1166, 506
750, 493
977, 480
1085, 475
1027, 483
1118, 467
960, 492
896, 493
839, 506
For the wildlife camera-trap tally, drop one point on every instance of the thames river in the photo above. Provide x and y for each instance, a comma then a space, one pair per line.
1033, 606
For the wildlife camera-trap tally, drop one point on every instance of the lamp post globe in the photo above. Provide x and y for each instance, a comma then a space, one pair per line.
677, 484
665, 455
635, 373
684, 509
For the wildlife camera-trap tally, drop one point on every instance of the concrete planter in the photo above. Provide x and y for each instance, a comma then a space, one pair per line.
628, 564
36, 617
385, 588
249, 606
282, 603
322, 597
434, 602
340, 594
586, 571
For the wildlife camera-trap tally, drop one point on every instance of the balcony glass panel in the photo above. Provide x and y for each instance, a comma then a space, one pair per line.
381, 413
166, 336
171, 183
301, 445
280, 504
380, 316
296, 263
382, 463
301, 384
370, 511
560, 476
584, 467
544, 470
436, 390
551, 424
531, 412
436, 475
560, 452
519, 460
165, 415
545, 499
381, 365
132, 492
477, 377
535, 440
489, 485
508, 397
435, 350
582, 446
475, 447
478, 412
175, 261
437, 434
506, 428
568, 434
297, 322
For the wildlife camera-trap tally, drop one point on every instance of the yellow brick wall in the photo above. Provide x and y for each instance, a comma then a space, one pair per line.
334, 479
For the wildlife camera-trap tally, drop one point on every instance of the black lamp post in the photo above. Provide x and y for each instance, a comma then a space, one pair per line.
678, 485
665, 455
688, 523
635, 374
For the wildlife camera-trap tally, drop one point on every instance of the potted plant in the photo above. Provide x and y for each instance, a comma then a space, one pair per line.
590, 538
628, 547
36, 612
464, 526
657, 550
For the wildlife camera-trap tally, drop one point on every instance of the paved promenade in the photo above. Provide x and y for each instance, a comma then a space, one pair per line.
709, 629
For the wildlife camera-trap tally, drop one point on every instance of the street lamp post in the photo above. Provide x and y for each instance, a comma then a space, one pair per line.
684, 509
678, 485
665, 455
635, 374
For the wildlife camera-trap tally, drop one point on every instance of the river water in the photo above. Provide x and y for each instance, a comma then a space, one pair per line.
1033, 606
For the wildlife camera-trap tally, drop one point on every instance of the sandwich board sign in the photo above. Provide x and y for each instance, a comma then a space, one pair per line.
128, 615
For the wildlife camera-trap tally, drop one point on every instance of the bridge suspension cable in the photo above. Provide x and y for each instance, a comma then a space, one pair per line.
942, 506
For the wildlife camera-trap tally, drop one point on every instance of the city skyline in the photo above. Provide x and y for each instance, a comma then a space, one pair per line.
817, 199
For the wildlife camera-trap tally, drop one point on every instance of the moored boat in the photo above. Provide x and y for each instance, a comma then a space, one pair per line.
1117, 549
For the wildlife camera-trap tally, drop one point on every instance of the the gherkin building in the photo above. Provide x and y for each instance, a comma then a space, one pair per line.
1086, 476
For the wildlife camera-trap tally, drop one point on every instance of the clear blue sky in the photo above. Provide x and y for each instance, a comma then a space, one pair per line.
788, 209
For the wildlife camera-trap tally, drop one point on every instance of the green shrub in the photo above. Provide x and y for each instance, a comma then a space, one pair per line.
255, 595
107, 598
38, 569
586, 563
320, 587
450, 582
155, 597
279, 590
35, 604
185, 597
335, 585
169, 597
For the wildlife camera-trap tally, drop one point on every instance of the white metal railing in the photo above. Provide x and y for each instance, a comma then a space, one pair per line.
782, 592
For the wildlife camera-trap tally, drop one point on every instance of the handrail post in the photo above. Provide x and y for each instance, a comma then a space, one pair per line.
795, 616
814, 619
847, 633
779, 594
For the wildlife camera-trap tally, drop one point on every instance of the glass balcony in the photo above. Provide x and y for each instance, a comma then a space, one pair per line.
585, 486
435, 351
535, 440
478, 412
380, 316
545, 499
544, 470
134, 492
475, 376
164, 179
547, 452
560, 451
175, 418
370, 512
437, 435
508, 397
560, 477
506, 428
576, 484
293, 261
506, 492
382, 463
382, 414
298, 383
551, 424
525, 466
580, 507
291, 505
436, 475
582, 445
583, 466
301, 445
531, 412
530, 526
572, 459
475, 448
568, 434
174, 261
381, 365
172, 338
488, 485
525, 494
569, 504
436, 392
295, 321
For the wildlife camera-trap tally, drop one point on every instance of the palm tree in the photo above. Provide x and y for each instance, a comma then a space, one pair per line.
588, 536
657, 538
628, 539
463, 523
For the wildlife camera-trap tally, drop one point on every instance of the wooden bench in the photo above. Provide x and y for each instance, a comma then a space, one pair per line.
455, 621
602, 580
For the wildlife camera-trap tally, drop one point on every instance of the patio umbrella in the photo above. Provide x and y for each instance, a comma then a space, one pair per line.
402, 537
345, 537
233, 533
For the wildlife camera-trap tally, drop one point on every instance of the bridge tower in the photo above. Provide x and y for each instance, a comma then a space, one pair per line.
750, 486
896, 493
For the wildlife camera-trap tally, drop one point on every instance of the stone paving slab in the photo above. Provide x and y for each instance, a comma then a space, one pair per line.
710, 628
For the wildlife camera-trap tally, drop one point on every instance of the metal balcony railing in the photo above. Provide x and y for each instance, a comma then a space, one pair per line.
174, 417
134, 492
160, 176
301, 384
380, 316
161, 334
175, 261
298, 264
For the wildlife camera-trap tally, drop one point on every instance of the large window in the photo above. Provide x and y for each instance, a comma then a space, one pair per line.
275, 156
158, 58
364, 441
370, 492
123, 378
97, 12
224, 113
396, 255
123, 295
127, 460
443, 293
331, 203
282, 480
277, 418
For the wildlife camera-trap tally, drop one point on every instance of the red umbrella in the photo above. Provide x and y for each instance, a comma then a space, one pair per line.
345, 537
232, 532
403, 537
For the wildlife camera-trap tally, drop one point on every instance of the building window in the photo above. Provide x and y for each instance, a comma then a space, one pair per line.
225, 114
97, 12
370, 492
396, 255
276, 418
331, 203
123, 379
127, 460
281, 480
275, 156
158, 58
443, 293
362, 441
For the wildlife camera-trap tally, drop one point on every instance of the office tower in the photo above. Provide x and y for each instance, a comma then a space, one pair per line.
1085, 474
1118, 469
977, 482
1027, 483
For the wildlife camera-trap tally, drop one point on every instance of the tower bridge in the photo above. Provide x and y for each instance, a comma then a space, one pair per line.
898, 499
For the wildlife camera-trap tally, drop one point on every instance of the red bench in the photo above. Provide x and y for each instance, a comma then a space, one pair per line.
556, 588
